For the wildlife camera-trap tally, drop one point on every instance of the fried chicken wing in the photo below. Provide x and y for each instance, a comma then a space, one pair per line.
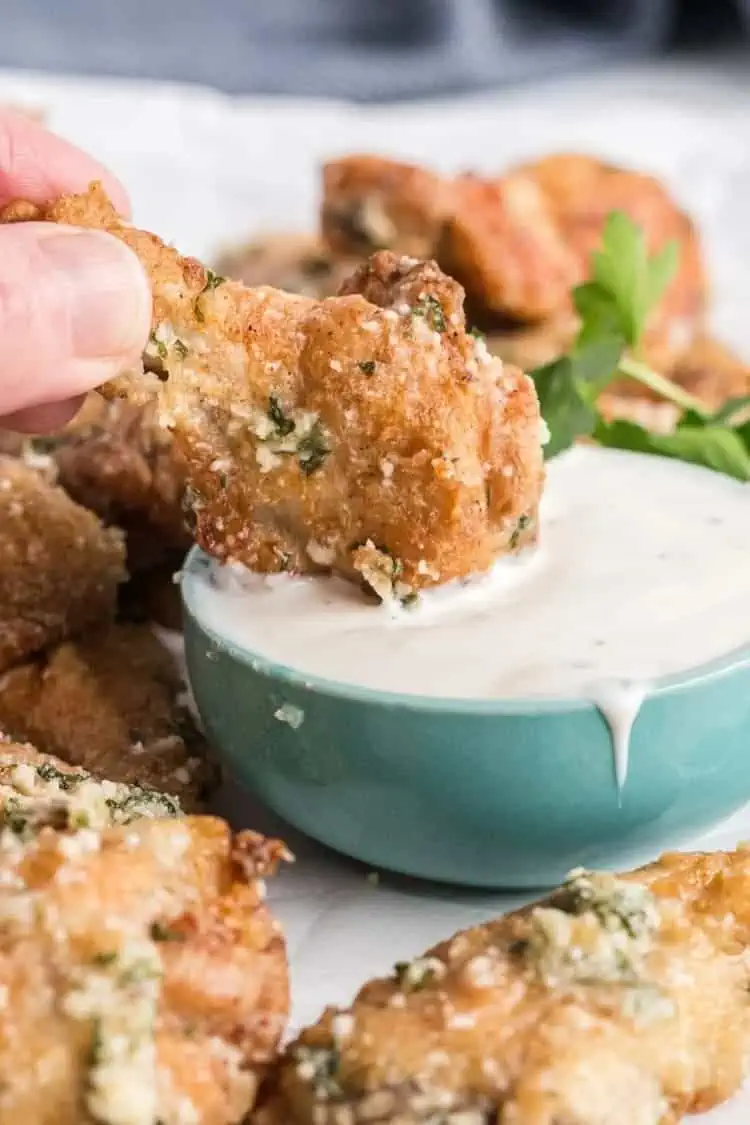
617, 1001
115, 460
112, 702
60, 567
296, 263
367, 433
519, 242
143, 978
119, 464
370, 203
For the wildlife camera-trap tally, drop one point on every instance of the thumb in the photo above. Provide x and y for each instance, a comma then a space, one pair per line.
75, 309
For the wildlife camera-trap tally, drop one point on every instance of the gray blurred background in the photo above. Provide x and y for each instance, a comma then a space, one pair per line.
361, 49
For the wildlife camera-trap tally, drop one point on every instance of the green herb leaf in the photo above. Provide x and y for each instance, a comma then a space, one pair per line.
284, 425
213, 280
623, 271
430, 308
312, 450
160, 932
714, 447
367, 366
733, 409
564, 408
613, 307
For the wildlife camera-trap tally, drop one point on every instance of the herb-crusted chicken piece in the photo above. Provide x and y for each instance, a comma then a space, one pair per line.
614, 1002
367, 433
142, 975
60, 567
113, 702
119, 464
371, 203
519, 242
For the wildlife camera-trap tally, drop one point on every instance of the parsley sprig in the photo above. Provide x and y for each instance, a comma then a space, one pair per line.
614, 306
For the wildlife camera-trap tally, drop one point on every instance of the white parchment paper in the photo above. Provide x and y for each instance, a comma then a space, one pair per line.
204, 170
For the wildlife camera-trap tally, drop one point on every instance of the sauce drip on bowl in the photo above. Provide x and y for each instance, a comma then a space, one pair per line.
643, 571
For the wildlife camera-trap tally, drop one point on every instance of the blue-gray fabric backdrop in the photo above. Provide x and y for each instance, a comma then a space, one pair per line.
364, 49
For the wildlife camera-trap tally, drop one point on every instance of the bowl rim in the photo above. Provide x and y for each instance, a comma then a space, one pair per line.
735, 661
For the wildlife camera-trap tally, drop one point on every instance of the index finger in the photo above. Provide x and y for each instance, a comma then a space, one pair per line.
38, 166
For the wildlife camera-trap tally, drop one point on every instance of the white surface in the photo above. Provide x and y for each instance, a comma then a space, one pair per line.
203, 169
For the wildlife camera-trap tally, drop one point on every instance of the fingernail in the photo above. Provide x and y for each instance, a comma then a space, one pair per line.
108, 293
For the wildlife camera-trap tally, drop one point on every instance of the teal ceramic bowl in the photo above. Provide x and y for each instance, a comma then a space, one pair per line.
495, 793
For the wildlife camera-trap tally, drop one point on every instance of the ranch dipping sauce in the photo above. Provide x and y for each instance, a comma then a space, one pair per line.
643, 570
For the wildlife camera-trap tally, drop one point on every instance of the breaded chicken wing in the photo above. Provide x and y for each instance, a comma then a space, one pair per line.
60, 567
143, 978
112, 702
617, 1001
367, 433
115, 460
120, 465
370, 203
296, 263
519, 242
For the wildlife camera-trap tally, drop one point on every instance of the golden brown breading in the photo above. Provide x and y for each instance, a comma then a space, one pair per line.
370, 203
116, 461
60, 567
518, 243
143, 978
114, 703
120, 465
616, 1001
311, 429
296, 263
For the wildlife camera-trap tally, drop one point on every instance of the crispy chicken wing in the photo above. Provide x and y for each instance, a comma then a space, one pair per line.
60, 567
367, 433
115, 460
370, 203
617, 1001
143, 978
113, 702
518, 243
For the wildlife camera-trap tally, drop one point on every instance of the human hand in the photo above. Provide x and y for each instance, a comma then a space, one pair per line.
75, 306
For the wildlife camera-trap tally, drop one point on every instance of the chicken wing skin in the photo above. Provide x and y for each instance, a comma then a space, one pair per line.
142, 976
367, 433
60, 566
113, 702
519, 242
616, 1001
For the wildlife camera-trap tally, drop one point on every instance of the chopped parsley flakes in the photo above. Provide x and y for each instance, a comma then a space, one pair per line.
430, 308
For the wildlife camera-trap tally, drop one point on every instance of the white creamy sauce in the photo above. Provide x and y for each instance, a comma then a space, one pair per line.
619, 702
643, 570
